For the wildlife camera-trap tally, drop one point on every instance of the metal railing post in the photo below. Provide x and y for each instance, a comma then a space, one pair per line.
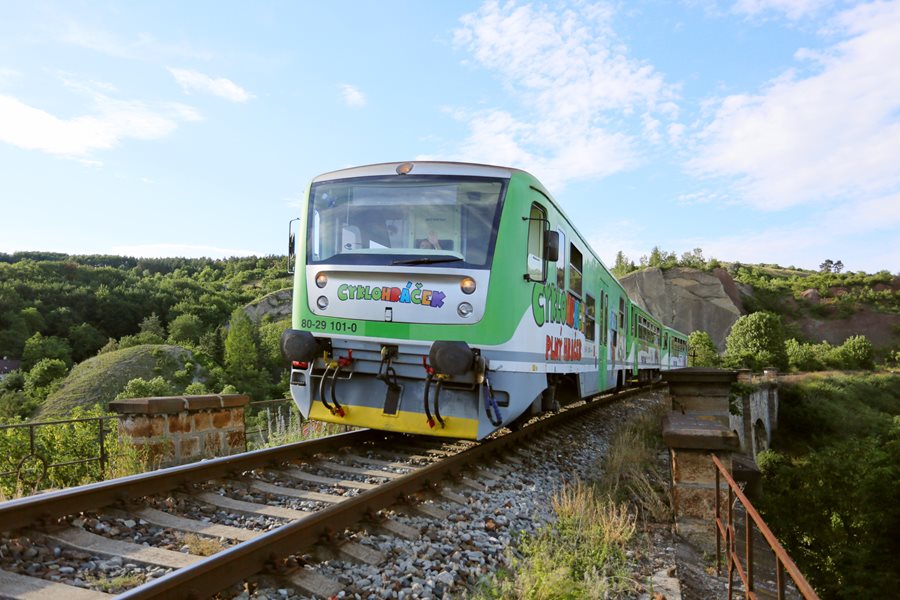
102, 439
718, 529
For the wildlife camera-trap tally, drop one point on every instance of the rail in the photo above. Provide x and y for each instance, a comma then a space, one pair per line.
263, 553
725, 532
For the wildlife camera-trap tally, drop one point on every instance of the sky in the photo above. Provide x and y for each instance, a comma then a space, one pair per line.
757, 130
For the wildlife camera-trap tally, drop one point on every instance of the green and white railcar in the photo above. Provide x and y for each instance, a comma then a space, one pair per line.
645, 336
674, 349
447, 299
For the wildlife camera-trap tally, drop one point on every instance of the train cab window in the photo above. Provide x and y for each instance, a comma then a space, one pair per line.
590, 317
561, 262
536, 265
575, 270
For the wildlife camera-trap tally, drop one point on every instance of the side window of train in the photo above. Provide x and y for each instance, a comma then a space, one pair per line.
575, 267
561, 261
621, 314
537, 224
590, 317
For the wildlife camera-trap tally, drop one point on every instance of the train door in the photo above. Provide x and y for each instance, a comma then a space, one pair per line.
620, 343
604, 339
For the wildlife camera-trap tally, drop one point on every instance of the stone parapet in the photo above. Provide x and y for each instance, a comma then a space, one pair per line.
697, 428
177, 430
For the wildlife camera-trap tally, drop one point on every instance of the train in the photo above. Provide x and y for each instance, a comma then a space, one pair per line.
454, 299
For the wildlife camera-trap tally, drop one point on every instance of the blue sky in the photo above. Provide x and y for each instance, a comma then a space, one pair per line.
757, 130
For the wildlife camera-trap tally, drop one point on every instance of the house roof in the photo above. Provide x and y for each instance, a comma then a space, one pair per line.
7, 365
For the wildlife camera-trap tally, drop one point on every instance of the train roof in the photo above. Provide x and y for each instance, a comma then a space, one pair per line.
423, 167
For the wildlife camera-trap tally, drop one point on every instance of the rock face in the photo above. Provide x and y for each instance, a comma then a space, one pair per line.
688, 299
276, 305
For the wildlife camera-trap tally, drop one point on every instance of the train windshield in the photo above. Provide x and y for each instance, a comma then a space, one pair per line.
429, 220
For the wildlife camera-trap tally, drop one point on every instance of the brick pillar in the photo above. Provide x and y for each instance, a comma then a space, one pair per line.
696, 428
179, 430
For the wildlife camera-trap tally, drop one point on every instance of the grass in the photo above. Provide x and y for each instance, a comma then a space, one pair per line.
116, 584
280, 427
582, 554
202, 546
631, 471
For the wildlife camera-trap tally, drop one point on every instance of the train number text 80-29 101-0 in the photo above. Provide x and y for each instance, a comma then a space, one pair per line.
321, 325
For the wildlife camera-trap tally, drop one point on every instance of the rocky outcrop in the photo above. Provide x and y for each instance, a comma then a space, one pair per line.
688, 299
277, 306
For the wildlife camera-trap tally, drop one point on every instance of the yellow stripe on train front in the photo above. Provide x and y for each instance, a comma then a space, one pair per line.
404, 421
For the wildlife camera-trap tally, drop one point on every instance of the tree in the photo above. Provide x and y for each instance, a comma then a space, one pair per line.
38, 347
152, 324
45, 377
702, 351
185, 328
15, 405
693, 259
622, 266
86, 341
838, 267
855, 353
241, 351
826, 266
756, 341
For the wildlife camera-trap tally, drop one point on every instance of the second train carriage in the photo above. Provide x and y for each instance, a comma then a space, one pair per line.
452, 299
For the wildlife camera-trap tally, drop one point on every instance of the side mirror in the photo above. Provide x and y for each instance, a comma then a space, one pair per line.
292, 244
551, 246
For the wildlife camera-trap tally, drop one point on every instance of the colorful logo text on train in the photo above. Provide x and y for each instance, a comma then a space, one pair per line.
403, 295
549, 304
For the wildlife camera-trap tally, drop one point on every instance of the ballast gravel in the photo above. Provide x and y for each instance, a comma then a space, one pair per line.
477, 540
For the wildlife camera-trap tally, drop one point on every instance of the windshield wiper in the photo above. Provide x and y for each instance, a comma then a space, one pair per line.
426, 260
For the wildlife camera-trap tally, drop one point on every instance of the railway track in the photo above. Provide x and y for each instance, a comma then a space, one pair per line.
279, 504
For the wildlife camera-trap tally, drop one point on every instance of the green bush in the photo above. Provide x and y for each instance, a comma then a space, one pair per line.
756, 341
144, 388
856, 353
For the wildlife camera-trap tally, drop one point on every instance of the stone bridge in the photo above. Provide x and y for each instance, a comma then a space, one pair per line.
758, 410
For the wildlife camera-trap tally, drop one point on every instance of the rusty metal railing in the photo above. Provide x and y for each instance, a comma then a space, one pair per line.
725, 532
31, 469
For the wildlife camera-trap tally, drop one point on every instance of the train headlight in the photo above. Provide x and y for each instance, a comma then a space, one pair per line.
321, 280
464, 310
322, 302
467, 285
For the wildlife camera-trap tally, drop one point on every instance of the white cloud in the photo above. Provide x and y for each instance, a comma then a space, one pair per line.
585, 101
832, 135
187, 113
181, 250
792, 9
108, 122
352, 96
8, 75
35, 129
143, 46
194, 81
